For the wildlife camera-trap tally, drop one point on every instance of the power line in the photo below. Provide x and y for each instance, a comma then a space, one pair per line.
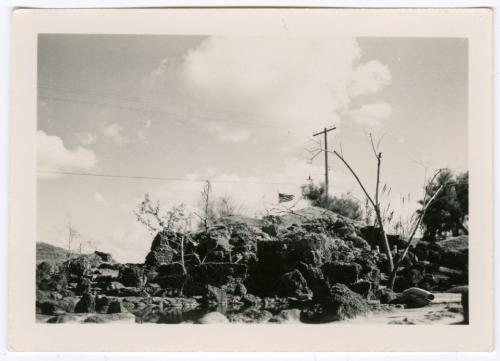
175, 179
141, 101
151, 110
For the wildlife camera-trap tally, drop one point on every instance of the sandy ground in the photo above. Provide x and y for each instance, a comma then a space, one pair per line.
445, 309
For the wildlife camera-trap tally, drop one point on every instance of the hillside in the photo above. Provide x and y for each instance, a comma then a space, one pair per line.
46, 252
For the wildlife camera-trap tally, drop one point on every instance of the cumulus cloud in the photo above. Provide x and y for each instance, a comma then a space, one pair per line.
369, 78
53, 155
371, 114
87, 138
114, 132
297, 83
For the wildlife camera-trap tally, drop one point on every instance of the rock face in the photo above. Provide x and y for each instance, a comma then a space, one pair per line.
312, 259
340, 304
215, 295
131, 276
163, 248
86, 304
341, 272
213, 244
293, 284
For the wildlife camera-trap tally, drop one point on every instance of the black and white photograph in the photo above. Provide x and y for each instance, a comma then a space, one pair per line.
215, 179
287, 180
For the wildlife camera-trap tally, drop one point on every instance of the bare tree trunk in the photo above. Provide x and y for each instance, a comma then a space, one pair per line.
376, 207
392, 278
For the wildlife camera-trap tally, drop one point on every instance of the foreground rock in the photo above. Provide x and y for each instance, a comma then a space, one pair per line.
251, 315
213, 317
414, 298
340, 304
287, 316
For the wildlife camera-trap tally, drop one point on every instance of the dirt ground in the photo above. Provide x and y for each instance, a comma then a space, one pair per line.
445, 309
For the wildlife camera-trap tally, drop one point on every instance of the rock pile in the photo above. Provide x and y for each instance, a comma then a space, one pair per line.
311, 265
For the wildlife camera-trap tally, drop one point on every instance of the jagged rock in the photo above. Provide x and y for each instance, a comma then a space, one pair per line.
271, 229
54, 307
84, 286
160, 255
407, 278
171, 316
179, 302
127, 292
340, 304
340, 272
115, 306
49, 277
213, 244
315, 279
132, 276
235, 287
215, 274
358, 241
415, 297
105, 257
102, 304
287, 316
251, 300
387, 296
166, 247
171, 276
243, 241
372, 235
215, 295
251, 315
86, 304
213, 317
293, 284
362, 287
115, 285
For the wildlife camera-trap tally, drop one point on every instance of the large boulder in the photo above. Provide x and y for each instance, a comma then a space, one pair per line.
53, 303
414, 298
340, 304
87, 304
243, 240
215, 295
163, 248
214, 244
132, 276
49, 277
170, 276
219, 274
293, 284
105, 257
213, 317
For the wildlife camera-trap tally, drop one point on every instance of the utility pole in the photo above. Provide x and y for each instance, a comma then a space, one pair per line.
325, 133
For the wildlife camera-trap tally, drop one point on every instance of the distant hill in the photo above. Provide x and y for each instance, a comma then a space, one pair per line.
46, 252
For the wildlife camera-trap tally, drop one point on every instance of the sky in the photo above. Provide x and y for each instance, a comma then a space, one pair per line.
240, 112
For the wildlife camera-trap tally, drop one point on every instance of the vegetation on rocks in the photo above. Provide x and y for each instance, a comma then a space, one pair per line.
321, 264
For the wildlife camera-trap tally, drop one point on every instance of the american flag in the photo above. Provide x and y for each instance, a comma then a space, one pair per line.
285, 197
